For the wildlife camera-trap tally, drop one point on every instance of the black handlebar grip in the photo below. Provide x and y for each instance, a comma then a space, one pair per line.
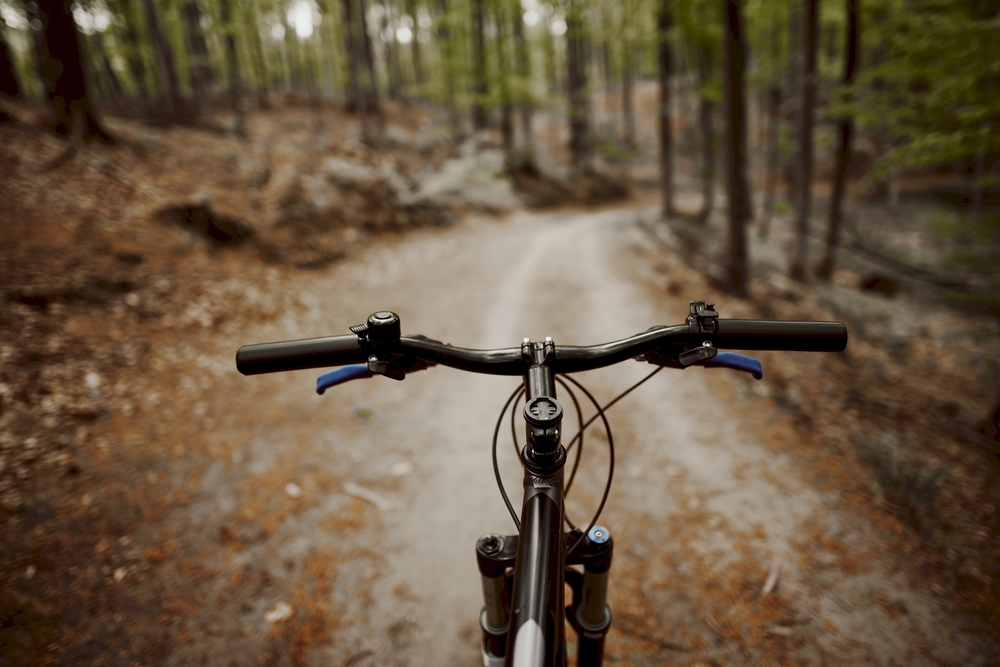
776, 335
295, 355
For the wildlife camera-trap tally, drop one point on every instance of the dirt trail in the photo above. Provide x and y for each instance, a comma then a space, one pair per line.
277, 527
697, 495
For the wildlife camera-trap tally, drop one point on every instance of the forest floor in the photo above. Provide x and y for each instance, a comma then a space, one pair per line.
158, 508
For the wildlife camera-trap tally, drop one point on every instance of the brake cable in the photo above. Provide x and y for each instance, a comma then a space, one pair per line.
580, 427
496, 467
516, 396
608, 406
611, 459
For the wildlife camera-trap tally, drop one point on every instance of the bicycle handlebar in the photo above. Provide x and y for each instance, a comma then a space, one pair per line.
731, 334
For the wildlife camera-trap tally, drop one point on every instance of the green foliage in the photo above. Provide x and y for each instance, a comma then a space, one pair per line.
931, 84
700, 21
927, 91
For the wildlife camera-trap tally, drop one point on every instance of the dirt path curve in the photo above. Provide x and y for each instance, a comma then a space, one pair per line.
399, 482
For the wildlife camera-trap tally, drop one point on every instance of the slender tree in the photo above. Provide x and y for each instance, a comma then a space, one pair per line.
389, 49
444, 36
354, 54
774, 99
576, 81
771, 166
825, 269
736, 183
523, 61
250, 21
233, 64
664, 22
706, 118
503, 76
605, 53
165, 62
133, 48
793, 106
628, 117
8, 78
201, 69
365, 43
807, 113
480, 89
415, 50
61, 67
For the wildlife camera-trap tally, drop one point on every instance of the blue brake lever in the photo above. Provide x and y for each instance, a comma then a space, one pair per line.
737, 362
342, 375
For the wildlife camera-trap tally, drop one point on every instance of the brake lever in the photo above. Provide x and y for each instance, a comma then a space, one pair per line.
341, 375
737, 362
394, 367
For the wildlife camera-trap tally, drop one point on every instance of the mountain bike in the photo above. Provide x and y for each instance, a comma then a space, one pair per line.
524, 576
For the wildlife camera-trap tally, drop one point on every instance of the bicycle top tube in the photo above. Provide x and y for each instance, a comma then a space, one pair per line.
673, 340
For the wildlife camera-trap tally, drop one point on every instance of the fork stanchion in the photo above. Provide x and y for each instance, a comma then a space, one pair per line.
590, 614
494, 554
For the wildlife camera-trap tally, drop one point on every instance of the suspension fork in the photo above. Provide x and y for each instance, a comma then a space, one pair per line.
528, 606
588, 614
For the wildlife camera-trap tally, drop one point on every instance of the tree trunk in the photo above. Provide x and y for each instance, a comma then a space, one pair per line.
448, 55
793, 105
524, 76
250, 26
369, 54
233, 65
480, 88
736, 189
805, 156
365, 42
771, 171
8, 77
706, 112
418, 66
135, 65
664, 22
606, 69
391, 60
576, 81
825, 269
201, 70
354, 103
627, 116
62, 71
503, 73
164, 60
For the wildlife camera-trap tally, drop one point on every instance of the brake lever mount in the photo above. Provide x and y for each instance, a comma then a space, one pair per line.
703, 323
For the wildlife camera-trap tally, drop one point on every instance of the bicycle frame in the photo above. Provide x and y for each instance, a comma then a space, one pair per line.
523, 619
